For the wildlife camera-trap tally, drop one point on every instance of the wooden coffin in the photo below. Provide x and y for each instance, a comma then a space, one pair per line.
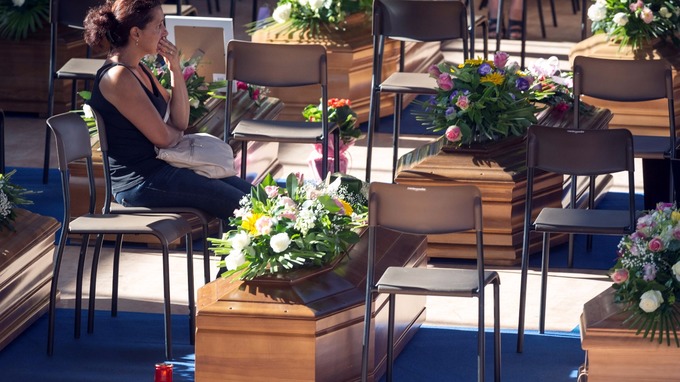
615, 353
25, 272
499, 170
350, 66
306, 329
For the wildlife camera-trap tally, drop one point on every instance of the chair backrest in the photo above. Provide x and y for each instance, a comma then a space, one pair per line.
104, 149
276, 65
579, 152
425, 210
645, 80
420, 20
72, 138
71, 13
2, 141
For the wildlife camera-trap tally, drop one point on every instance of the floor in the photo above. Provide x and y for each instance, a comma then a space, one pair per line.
141, 288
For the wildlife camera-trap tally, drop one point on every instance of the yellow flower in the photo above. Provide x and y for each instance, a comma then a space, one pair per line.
495, 78
476, 62
346, 207
248, 223
675, 215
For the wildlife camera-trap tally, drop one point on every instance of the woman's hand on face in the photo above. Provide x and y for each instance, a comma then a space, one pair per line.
168, 50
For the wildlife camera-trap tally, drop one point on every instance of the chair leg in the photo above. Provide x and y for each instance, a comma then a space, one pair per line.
116, 273
523, 291
53, 291
365, 343
206, 253
244, 158
390, 338
553, 13
46, 159
190, 283
79, 285
373, 117
166, 302
209, 4
481, 338
544, 280
496, 332
541, 20
398, 101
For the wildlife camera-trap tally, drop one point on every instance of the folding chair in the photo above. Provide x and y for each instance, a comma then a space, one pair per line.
412, 20
428, 210
294, 65
73, 143
573, 153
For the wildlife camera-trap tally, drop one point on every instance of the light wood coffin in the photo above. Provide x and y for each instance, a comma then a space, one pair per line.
308, 329
25, 272
350, 66
499, 170
616, 353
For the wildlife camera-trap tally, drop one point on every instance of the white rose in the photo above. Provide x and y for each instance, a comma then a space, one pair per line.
316, 4
279, 242
303, 2
235, 259
282, 13
18, 3
665, 13
676, 270
240, 241
620, 19
597, 12
650, 300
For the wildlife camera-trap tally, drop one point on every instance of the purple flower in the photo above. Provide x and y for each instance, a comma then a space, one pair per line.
450, 112
434, 71
445, 82
484, 69
650, 272
522, 83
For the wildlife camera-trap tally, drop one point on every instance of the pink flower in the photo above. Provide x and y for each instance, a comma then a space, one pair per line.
655, 245
676, 233
453, 133
434, 71
634, 6
647, 15
272, 191
289, 215
264, 225
562, 107
288, 202
444, 82
620, 275
188, 71
463, 102
500, 59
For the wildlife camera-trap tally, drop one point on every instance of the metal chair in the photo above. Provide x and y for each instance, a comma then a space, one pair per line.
73, 143
294, 65
428, 210
653, 79
70, 14
202, 218
412, 20
573, 153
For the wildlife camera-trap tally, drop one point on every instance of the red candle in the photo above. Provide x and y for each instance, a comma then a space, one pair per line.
163, 372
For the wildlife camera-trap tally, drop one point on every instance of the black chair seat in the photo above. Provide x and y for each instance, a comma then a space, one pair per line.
433, 282
650, 147
587, 221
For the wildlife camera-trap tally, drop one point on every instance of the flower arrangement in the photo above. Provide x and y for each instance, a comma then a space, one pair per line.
256, 93
312, 15
18, 18
11, 196
339, 112
647, 274
479, 101
303, 224
554, 87
199, 90
633, 22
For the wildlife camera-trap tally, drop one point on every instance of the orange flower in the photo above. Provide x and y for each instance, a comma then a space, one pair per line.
338, 102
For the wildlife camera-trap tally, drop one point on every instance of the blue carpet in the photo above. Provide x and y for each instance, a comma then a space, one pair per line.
127, 347
47, 198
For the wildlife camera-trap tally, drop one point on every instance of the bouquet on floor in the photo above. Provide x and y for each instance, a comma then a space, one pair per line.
647, 274
480, 101
283, 228
634, 22
11, 196
311, 16
339, 112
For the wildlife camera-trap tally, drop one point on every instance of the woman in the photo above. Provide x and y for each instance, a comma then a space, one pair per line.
135, 108
514, 31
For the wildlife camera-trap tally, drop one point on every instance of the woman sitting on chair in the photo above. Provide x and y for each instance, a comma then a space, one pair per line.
134, 107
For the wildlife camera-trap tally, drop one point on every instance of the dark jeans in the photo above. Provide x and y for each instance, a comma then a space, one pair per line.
179, 187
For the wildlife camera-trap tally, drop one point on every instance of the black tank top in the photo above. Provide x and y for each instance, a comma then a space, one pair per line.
131, 154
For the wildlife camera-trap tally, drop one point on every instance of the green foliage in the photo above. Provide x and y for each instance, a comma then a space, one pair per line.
19, 18
11, 196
